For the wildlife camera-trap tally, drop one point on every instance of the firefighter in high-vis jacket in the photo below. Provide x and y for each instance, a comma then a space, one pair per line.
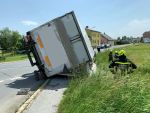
122, 59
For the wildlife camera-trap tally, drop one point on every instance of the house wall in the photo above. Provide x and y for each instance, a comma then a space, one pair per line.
146, 37
146, 34
104, 40
94, 36
111, 42
146, 40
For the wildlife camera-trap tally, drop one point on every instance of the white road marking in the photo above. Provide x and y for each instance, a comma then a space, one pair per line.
15, 78
1, 81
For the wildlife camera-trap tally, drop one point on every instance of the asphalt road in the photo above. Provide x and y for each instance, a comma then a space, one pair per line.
13, 77
120, 46
113, 47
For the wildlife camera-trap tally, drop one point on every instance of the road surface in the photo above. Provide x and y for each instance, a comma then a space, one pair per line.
13, 76
112, 47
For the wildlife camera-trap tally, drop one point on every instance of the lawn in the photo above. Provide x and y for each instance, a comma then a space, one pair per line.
9, 58
101, 93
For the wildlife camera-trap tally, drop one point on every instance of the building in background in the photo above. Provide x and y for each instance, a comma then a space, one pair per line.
105, 39
146, 37
135, 40
94, 36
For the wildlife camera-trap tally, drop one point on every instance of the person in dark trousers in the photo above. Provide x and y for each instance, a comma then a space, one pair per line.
116, 56
122, 58
98, 49
110, 56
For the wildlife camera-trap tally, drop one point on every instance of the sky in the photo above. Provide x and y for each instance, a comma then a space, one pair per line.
114, 17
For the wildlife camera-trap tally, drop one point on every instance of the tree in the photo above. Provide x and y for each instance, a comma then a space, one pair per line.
118, 39
9, 40
14, 40
5, 35
124, 38
20, 44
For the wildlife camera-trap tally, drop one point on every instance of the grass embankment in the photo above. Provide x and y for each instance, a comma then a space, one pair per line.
101, 93
16, 58
8, 57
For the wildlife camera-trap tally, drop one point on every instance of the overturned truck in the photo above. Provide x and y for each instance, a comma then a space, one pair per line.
58, 46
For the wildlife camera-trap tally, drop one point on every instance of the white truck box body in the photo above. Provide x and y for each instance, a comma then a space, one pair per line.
60, 43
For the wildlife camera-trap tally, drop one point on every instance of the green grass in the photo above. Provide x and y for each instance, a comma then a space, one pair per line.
10, 58
101, 93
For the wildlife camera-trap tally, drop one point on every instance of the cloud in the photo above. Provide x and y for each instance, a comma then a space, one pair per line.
139, 23
136, 27
29, 23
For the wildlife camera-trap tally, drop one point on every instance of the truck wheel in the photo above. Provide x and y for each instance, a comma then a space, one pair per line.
43, 76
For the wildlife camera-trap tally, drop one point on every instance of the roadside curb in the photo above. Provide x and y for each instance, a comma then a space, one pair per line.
31, 98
